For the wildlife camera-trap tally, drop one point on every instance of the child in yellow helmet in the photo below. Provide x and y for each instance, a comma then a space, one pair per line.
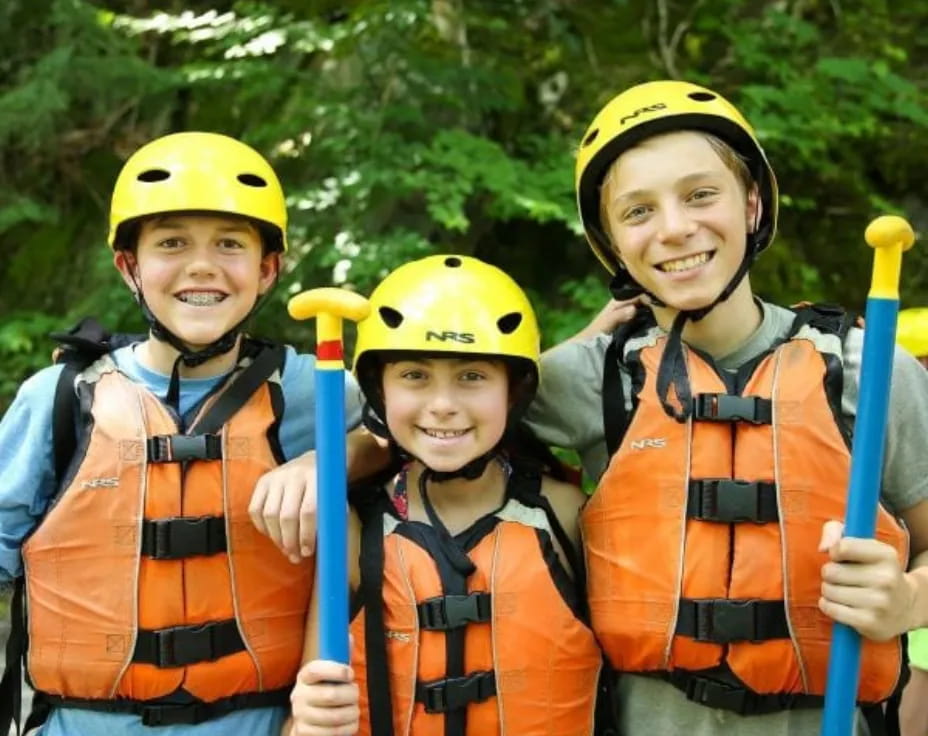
468, 615
912, 334
153, 601
719, 426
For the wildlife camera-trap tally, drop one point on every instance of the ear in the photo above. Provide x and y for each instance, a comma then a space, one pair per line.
754, 209
128, 267
269, 271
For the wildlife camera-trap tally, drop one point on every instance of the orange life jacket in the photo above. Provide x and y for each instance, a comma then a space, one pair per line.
501, 649
701, 539
147, 576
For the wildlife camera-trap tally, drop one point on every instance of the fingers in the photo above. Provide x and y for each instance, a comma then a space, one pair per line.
831, 535
864, 586
256, 506
325, 700
288, 521
307, 523
861, 551
283, 506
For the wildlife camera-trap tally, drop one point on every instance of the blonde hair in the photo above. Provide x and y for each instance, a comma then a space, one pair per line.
734, 162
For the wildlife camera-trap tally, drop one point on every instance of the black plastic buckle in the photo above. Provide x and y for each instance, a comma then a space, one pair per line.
715, 694
169, 715
723, 621
180, 537
728, 500
441, 696
181, 448
729, 408
183, 645
452, 611
179, 646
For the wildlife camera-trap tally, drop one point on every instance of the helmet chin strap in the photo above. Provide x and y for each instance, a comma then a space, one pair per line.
672, 370
190, 358
471, 470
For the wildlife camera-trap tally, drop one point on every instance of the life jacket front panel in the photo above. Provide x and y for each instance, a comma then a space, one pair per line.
251, 584
802, 454
545, 661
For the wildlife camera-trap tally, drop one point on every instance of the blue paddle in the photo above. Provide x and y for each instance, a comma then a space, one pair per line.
330, 306
889, 236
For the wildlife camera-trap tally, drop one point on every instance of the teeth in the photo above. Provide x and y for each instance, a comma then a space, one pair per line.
201, 298
444, 434
684, 264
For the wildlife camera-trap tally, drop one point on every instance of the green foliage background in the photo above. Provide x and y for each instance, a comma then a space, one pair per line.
407, 127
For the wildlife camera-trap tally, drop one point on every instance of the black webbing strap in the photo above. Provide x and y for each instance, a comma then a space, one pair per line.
714, 693
170, 714
615, 419
728, 500
729, 408
11, 695
179, 537
722, 620
445, 612
452, 693
181, 448
379, 699
64, 436
179, 646
269, 359
78, 346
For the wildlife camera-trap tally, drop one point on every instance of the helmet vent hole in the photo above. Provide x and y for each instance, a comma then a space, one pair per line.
453, 262
701, 96
153, 175
252, 180
591, 137
391, 318
509, 322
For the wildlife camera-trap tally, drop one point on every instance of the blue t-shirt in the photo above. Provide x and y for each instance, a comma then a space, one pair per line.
27, 483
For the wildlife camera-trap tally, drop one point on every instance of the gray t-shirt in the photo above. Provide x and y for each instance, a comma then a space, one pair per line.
568, 413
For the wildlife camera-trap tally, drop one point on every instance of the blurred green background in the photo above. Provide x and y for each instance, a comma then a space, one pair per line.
409, 127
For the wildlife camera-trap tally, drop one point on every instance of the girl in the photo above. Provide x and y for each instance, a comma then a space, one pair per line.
465, 576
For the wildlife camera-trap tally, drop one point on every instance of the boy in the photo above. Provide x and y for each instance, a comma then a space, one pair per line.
152, 599
711, 567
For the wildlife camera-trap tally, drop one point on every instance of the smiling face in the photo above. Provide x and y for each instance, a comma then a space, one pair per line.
446, 411
679, 218
200, 275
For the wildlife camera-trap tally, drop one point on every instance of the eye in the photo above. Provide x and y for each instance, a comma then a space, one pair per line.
636, 213
230, 244
702, 194
413, 375
471, 376
171, 243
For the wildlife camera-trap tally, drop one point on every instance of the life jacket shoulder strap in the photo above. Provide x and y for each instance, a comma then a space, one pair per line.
77, 348
831, 319
615, 413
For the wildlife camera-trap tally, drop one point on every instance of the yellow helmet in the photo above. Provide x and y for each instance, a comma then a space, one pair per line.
912, 331
447, 304
663, 107
198, 172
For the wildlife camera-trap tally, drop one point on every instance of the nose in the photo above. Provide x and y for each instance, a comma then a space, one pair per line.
201, 262
441, 402
676, 225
